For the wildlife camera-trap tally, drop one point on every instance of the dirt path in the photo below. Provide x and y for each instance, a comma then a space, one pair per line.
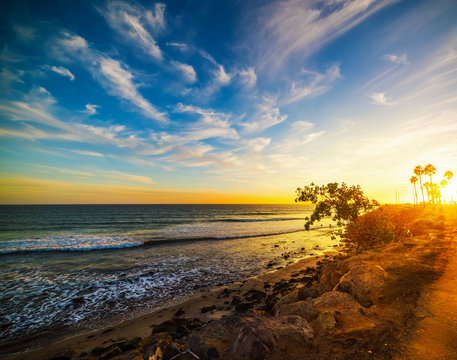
436, 335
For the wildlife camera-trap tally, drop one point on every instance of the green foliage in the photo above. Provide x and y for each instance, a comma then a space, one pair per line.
342, 203
370, 230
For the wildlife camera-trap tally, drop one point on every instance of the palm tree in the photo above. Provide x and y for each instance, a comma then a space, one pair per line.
413, 181
419, 171
449, 175
428, 187
430, 170
443, 184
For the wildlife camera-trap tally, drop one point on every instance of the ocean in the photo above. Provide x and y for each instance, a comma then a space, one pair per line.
70, 268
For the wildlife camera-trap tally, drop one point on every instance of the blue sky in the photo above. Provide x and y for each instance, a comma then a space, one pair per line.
222, 101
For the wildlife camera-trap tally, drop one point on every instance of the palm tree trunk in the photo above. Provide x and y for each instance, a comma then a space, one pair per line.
415, 192
422, 189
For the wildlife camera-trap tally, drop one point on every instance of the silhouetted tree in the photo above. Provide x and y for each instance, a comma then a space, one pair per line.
419, 171
342, 203
430, 170
448, 175
413, 181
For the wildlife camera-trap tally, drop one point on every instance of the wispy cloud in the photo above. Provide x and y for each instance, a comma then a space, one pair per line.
380, 98
187, 70
294, 26
91, 109
111, 73
397, 59
317, 85
61, 71
88, 153
249, 77
211, 124
267, 115
132, 22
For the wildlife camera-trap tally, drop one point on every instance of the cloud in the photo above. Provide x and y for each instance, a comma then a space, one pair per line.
133, 21
258, 144
221, 76
379, 98
110, 73
25, 33
268, 115
397, 59
61, 71
318, 84
187, 70
302, 27
88, 153
211, 124
91, 109
249, 77
181, 46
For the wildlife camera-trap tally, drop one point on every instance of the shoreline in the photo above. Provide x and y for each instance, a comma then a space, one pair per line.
140, 326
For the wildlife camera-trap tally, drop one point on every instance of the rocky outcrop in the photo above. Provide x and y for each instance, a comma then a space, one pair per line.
258, 337
365, 282
304, 309
340, 311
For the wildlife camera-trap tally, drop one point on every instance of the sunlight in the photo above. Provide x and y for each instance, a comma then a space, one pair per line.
449, 192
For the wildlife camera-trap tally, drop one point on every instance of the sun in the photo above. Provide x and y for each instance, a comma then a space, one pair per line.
449, 193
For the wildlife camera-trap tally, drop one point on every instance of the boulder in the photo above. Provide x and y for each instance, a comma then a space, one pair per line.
306, 292
289, 298
346, 311
257, 337
366, 282
304, 309
330, 275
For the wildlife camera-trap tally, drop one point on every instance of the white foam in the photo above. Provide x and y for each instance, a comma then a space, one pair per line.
68, 243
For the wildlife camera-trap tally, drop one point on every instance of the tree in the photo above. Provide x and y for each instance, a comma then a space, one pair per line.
428, 187
419, 171
342, 203
430, 170
448, 175
413, 181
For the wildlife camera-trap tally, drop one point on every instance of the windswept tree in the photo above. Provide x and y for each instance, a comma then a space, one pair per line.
342, 203
413, 181
419, 172
430, 170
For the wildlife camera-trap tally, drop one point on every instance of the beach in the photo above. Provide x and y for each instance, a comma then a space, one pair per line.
339, 305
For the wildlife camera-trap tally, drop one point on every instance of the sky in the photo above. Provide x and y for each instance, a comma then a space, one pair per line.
223, 101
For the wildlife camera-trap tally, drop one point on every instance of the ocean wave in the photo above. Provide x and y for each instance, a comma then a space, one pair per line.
67, 243
258, 220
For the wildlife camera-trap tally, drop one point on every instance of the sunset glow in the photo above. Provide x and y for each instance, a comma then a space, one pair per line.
223, 102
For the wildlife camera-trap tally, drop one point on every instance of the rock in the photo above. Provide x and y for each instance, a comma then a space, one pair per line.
256, 295
212, 353
180, 312
177, 327
326, 320
159, 347
242, 307
289, 298
365, 282
270, 302
256, 337
346, 311
304, 309
306, 292
235, 301
208, 308
330, 275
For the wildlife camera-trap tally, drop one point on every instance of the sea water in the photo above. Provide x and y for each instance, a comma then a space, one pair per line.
78, 267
